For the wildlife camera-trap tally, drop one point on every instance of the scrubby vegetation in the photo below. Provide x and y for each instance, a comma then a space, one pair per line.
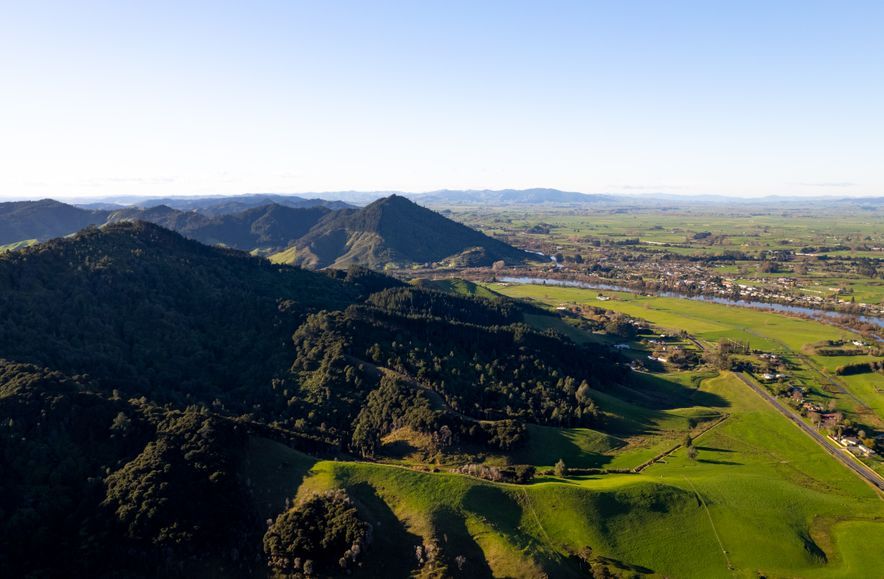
321, 535
105, 484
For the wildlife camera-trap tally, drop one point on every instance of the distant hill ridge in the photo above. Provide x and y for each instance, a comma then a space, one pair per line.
395, 230
510, 196
267, 226
214, 206
43, 219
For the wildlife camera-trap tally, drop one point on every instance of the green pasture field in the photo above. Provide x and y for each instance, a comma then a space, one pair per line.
458, 286
761, 498
712, 322
749, 230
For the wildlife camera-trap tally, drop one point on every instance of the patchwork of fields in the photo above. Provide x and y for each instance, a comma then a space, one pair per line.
711, 322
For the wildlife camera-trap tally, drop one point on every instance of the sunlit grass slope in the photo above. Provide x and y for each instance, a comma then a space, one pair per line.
761, 498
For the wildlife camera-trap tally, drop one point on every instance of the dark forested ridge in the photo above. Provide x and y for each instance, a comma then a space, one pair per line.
223, 205
394, 230
389, 232
136, 365
42, 220
270, 226
237, 224
140, 307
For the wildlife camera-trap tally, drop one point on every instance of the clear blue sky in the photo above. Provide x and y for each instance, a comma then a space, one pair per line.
168, 98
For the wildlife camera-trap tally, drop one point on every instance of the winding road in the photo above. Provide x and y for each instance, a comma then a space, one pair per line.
863, 471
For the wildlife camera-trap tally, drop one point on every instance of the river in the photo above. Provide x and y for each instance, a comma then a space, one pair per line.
814, 313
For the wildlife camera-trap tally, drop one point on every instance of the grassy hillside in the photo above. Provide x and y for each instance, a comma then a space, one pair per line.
457, 286
17, 245
758, 482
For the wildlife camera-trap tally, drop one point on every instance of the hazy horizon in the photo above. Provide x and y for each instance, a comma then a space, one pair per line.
365, 194
746, 99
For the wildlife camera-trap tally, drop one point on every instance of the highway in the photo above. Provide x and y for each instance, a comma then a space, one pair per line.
863, 471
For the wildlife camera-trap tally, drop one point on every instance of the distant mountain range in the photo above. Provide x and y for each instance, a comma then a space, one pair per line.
393, 230
235, 204
212, 204
344, 199
223, 204
509, 196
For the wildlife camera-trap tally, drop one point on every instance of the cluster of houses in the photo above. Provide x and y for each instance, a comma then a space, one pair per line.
854, 445
822, 417
697, 278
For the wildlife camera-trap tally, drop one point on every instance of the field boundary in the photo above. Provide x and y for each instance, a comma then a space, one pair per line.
727, 559
666, 453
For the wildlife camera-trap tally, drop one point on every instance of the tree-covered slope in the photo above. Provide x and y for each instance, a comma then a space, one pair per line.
138, 366
396, 231
42, 220
139, 306
269, 226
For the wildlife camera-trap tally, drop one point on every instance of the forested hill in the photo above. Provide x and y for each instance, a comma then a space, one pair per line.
389, 232
137, 305
270, 226
394, 230
42, 220
246, 223
137, 367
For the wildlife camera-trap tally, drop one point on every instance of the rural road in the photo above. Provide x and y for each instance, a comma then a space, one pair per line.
863, 471
815, 368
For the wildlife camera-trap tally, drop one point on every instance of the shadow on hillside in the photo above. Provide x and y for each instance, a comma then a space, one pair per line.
637, 408
656, 392
626, 566
392, 551
398, 449
724, 462
546, 445
494, 504
274, 472
505, 514
456, 542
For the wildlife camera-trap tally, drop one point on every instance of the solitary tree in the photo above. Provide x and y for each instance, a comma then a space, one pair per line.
560, 469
